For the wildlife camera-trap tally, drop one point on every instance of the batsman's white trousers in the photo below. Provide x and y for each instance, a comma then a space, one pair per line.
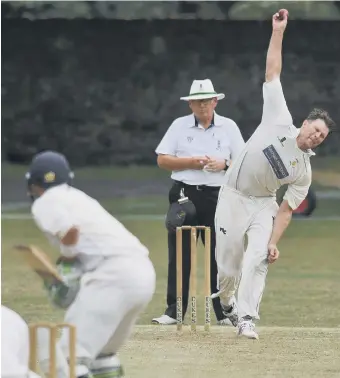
108, 305
239, 216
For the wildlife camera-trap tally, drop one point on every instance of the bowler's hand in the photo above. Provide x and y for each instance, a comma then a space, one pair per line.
215, 165
280, 20
198, 162
273, 253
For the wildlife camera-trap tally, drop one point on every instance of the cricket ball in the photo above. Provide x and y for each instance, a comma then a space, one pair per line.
282, 14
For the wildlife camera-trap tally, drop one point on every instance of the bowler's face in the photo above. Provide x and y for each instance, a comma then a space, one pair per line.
203, 108
312, 133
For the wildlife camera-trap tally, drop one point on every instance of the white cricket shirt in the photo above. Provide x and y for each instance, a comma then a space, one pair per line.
186, 138
100, 234
271, 157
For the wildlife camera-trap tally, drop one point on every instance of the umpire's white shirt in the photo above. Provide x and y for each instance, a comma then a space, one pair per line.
186, 138
101, 236
271, 157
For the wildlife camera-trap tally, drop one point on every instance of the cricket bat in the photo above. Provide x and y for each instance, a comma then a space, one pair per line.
41, 264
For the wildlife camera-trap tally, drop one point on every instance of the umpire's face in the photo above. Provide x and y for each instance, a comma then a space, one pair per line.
203, 109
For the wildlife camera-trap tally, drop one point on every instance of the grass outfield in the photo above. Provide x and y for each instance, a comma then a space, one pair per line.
158, 205
326, 172
302, 287
300, 317
134, 172
300, 302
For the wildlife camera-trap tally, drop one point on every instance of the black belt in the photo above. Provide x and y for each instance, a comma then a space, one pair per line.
198, 187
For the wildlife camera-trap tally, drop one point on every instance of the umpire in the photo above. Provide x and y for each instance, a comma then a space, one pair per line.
198, 149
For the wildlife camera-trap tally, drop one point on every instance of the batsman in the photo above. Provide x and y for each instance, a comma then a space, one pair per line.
107, 278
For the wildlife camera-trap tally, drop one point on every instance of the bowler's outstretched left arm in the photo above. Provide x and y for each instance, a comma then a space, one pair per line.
295, 194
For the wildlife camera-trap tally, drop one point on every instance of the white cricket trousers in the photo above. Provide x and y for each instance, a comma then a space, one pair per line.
108, 305
239, 217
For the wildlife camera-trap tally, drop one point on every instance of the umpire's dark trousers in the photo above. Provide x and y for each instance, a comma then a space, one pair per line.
205, 200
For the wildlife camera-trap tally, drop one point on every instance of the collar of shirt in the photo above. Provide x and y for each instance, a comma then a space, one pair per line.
214, 122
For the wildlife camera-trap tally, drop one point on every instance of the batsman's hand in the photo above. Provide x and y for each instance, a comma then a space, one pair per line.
273, 253
63, 294
280, 20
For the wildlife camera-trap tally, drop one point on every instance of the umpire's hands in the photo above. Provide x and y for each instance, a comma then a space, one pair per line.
215, 165
198, 162
273, 253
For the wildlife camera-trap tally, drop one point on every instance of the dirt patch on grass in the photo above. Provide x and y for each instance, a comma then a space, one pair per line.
159, 352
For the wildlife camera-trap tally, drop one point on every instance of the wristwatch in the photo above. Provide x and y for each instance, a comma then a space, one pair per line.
227, 164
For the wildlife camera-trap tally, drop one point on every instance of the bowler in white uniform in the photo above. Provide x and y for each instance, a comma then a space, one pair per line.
115, 275
277, 153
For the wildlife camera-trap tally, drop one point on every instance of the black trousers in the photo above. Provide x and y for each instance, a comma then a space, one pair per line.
205, 201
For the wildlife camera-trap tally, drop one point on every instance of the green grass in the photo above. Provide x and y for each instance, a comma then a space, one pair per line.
300, 317
302, 288
330, 163
143, 172
158, 205
144, 205
132, 172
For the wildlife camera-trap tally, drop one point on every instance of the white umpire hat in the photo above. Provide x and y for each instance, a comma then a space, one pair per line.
202, 89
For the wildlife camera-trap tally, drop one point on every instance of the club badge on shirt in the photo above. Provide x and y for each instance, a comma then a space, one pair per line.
282, 140
294, 162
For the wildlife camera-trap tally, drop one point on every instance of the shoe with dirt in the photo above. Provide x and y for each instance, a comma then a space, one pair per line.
246, 328
231, 313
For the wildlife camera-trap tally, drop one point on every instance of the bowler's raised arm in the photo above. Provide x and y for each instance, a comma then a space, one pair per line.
274, 54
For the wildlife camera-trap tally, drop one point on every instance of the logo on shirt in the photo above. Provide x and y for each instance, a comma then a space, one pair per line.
294, 162
281, 140
49, 177
190, 139
218, 145
276, 162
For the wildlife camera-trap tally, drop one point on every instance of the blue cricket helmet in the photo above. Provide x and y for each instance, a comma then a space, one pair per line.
48, 169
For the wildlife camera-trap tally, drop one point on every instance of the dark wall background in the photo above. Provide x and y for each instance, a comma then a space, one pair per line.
105, 91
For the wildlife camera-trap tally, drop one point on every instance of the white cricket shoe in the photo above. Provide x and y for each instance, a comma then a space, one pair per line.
108, 366
164, 320
246, 328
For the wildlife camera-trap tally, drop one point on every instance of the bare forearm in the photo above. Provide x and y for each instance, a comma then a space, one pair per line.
173, 163
274, 56
281, 222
